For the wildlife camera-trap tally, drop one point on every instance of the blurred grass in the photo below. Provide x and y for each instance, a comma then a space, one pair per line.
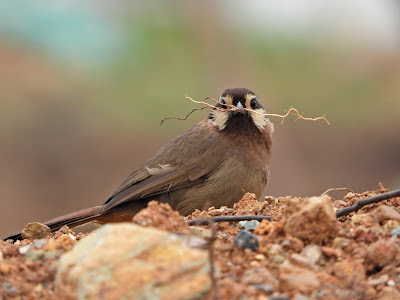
147, 84
349, 86
163, 60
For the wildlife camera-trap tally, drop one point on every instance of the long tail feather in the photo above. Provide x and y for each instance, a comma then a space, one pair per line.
71, 220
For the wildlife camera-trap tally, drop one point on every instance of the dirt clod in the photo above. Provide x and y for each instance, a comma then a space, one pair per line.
314, 221
303, 252
161, 216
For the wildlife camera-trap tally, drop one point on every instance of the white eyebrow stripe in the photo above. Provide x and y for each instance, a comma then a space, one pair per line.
223, 98
250, 97
229, 100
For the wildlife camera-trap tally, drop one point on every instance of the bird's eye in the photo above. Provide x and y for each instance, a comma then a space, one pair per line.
222, 101
253, 103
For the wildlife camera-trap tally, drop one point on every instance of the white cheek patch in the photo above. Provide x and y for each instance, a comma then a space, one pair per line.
271, 127
259, 120
219, 119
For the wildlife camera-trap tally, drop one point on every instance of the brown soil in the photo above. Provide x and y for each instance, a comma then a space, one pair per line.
360, 262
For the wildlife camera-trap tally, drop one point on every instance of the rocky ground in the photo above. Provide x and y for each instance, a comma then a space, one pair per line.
304, 252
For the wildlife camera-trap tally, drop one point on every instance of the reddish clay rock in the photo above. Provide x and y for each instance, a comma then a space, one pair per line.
293, 278
381, 253
259, 275
389, 293
161, 216
265, 227
365, 220
330, 252
8, 250
313, 221
249, 204
301, 261
293, 244
352, 273
384, 212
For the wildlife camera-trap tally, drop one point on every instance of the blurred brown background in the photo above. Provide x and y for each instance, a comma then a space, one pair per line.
85, 84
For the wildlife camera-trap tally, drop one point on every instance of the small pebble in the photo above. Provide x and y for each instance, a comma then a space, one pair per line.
38, 288
40, 243
263, 287
201, 232
260, 256
35, 255
275, 249
384, 212
377, 281
300, 297
279, 297
389, 293
249, 225
35, 231
246, 239
329, 252
390, 225
51, 254
391, 283
223, 235
24, 249
270, 199
277, 259
301, 261
312, 252
216, 212
365, 220
381, 253
192, 241
340, 242
395, 231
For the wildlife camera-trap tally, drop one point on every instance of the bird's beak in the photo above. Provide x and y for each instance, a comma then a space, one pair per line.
239, 106
240, 109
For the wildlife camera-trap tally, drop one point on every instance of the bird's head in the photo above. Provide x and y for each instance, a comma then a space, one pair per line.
234, 103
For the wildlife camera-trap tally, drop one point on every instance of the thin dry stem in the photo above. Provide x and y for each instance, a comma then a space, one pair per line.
336, 189
182, 119
291, 110
299, 116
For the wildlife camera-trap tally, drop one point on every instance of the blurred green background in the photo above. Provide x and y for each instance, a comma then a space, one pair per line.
85, 84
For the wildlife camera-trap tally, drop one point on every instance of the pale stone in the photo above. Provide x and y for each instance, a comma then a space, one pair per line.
312, 252
133, 262
35, 230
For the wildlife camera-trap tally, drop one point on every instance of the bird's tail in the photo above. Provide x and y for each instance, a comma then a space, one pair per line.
71, 220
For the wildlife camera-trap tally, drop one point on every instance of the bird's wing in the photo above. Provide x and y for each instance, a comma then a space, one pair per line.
182, 163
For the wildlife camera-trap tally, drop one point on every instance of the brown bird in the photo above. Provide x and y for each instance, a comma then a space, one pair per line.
212, 163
